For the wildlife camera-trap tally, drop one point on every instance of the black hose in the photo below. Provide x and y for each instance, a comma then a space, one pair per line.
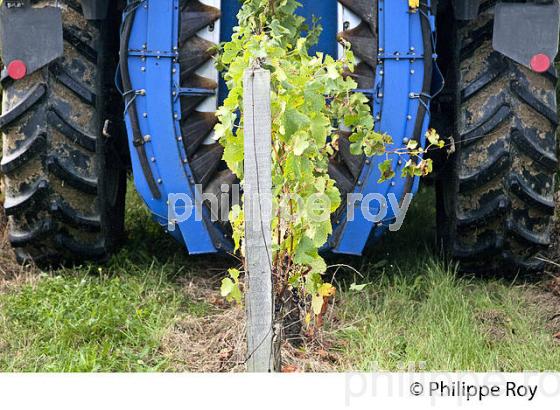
137, 139
423, 98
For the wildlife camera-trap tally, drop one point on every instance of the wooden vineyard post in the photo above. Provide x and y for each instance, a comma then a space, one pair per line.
262, 354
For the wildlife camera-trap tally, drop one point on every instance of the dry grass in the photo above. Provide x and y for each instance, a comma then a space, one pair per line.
214, 339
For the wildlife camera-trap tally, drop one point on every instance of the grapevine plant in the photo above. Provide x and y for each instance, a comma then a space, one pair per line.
311, 97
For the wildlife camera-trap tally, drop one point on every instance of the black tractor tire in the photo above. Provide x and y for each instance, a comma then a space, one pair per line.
495, 197
64, 182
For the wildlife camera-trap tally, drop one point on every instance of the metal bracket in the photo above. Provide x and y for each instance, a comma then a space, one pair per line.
153, 54
522, 30
32, 35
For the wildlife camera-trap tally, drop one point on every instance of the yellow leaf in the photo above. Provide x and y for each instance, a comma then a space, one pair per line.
413, 4
317, 304
307, 319
432, 136
327, 290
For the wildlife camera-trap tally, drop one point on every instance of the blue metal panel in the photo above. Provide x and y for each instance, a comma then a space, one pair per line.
154, 74
326, 12
228, 21
399, 81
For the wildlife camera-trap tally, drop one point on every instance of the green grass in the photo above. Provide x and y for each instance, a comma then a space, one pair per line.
108, 318
433, 321
414, 311
73, 323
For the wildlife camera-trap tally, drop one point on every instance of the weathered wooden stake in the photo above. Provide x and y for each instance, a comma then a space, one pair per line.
262, 355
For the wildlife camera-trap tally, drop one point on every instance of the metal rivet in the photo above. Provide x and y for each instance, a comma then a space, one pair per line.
153, 159
175, 116
174, 93
143, 69
174, 70
409, 117
412, 48
411, 95
381, 72
380, 95
399, 162
159, 181
179, 138
360, 183
147, 138
145, 115
405, 140
411, 71
368, 161
185, 161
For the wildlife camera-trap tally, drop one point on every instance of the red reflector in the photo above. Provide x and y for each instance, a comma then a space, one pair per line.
17, 69
540, 63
